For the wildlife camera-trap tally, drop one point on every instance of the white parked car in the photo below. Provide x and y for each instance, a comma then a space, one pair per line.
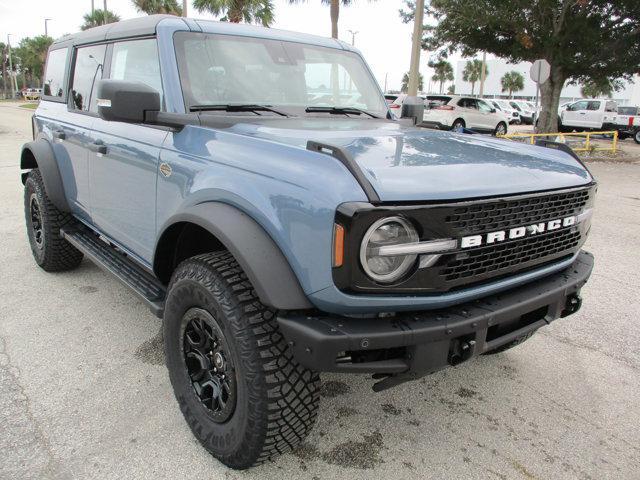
589, 114
512, 113
527, 112
455, 112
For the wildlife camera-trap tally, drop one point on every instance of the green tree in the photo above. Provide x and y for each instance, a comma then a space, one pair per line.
151, 7
472, 73
443, 72
236, 11
31, 54
451, 90
97, 18
334, 11
512, 82
605, 88
581, 39
405, 82
4, 60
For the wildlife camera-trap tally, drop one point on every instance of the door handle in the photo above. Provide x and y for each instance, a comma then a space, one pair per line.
59, 135
583, 113
98, 146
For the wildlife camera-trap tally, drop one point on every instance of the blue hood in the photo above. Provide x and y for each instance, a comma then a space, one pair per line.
408, 164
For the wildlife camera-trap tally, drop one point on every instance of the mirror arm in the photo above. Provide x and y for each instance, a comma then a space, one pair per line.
172, 120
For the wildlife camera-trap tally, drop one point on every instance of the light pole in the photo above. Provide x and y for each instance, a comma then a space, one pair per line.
413, 106
184, 7
483, 73
353, 37
11, 77
46, 30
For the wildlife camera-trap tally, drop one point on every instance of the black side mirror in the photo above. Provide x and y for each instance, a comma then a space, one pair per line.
493, 110
130, 102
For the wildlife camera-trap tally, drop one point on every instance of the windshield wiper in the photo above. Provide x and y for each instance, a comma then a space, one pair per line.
340, 110
237, 107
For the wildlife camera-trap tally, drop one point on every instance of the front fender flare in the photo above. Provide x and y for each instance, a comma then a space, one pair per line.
39, 154
261, 259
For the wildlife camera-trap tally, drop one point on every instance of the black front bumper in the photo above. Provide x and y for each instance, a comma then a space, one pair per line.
410, 345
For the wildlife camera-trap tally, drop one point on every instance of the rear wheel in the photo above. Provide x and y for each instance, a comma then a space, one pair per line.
241, 391
44, 221
501, 129
458, 125
636, 136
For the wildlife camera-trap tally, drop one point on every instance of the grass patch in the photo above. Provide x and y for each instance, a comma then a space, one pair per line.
30, 106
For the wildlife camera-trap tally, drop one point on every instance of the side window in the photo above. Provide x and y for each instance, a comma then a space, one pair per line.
578, 106
467, 103
87, 71
483, 106
54, 74
515, 105
593, 106
137, 61
611, 107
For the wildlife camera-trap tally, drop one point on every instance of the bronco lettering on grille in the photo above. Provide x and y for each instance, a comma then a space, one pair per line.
517, 232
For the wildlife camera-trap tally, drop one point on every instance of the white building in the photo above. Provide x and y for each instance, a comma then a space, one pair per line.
630, 95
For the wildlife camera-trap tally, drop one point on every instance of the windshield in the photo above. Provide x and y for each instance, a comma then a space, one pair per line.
227, 69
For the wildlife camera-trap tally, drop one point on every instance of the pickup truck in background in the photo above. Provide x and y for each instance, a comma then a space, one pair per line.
590, 114
628, 123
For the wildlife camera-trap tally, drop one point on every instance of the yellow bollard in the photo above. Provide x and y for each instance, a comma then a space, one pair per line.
615, 141
588, 142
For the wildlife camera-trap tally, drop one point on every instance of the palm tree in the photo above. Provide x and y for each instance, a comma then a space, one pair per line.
99, 17
236, 11
151, 7
512, 82
405, 82
443, 72
601, 88
472, 73
31, 53
334, 12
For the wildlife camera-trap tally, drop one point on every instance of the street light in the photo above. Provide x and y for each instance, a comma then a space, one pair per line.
413, 106
46, 30
12, 79
353, 37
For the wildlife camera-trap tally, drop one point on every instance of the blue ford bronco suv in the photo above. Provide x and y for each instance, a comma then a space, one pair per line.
251, 186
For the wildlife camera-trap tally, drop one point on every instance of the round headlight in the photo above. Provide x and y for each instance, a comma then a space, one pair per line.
387, 231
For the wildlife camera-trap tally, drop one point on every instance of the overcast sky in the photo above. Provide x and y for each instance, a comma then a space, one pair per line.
382, 37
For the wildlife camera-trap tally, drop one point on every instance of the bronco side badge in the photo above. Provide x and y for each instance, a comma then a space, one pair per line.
165, 169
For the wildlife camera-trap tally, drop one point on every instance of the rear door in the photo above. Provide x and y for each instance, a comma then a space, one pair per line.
469, 110
594, 114
124, 163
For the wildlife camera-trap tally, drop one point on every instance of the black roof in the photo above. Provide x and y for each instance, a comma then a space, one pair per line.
134, 27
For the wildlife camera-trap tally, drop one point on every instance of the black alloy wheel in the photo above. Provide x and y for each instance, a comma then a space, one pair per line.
209, 364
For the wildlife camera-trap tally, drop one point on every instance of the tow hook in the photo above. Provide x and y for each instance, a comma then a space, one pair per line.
461, 349
574, 302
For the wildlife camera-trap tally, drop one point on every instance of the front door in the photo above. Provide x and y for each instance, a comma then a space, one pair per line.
575, 114
124, 165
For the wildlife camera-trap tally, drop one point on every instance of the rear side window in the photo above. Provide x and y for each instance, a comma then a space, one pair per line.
611, 107
87, 71
137, 61
54, 73
467, 103
434, 102
593, 106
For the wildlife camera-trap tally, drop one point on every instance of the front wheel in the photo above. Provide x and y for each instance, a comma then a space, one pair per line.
636, 136
501, 129
241, 391
458, 125
44, 221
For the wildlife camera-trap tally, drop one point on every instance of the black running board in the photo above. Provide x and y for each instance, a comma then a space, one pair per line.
112, 260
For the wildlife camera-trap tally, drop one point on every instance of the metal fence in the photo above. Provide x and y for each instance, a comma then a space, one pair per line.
578, 141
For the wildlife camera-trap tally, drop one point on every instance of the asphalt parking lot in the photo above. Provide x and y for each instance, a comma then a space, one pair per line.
84, 392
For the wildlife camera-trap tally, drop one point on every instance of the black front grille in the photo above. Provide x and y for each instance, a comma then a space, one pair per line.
498, 215
495, 260
476, 265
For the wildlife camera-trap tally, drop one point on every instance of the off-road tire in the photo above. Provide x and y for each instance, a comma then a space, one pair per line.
51, 252
512, 344
276, 398
636, 136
